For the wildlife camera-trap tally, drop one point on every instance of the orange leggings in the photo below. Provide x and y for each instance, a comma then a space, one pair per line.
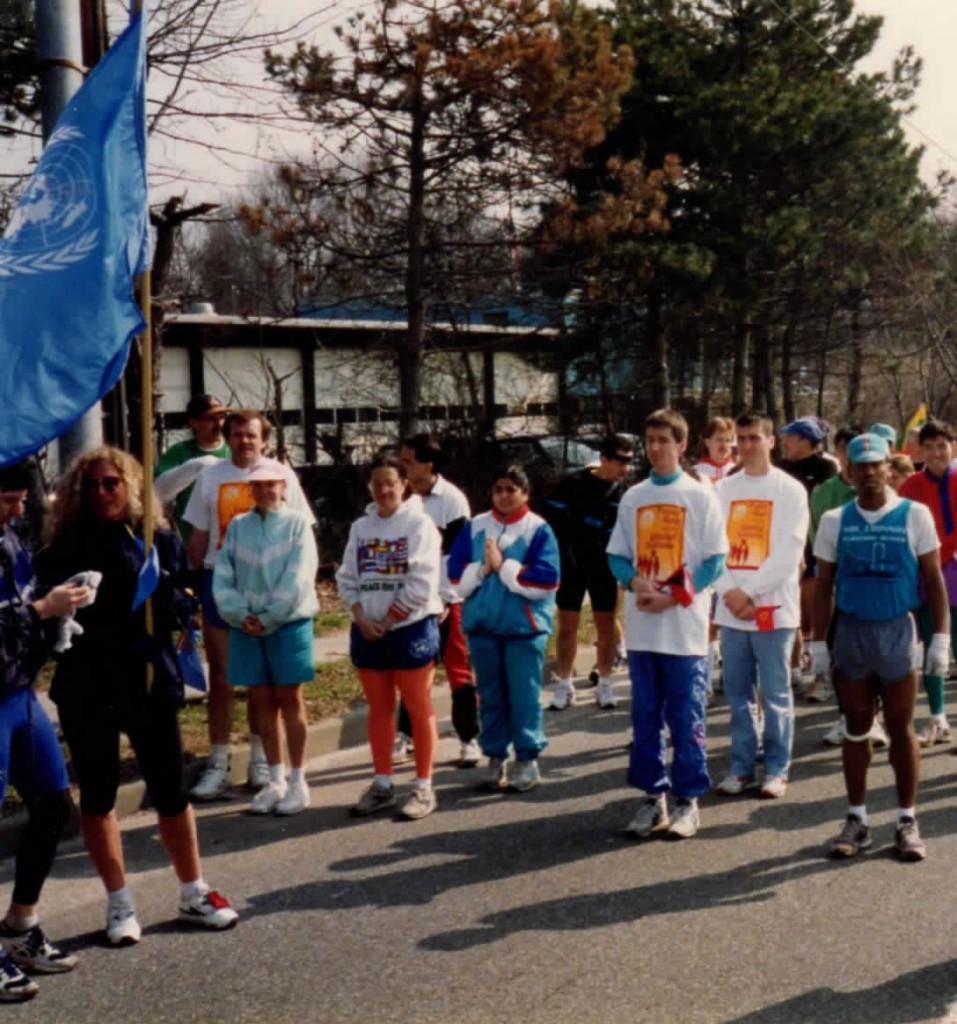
415, 685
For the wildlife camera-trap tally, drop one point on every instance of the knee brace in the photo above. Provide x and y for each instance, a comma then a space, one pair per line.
863, 738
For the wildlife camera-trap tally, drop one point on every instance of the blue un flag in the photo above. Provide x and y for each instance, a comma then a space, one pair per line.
70, 252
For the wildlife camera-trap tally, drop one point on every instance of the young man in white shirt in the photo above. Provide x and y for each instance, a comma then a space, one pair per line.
666, 550
871, 553
759, 608
221, 493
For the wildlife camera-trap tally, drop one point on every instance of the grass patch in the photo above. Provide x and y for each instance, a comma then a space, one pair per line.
330, 622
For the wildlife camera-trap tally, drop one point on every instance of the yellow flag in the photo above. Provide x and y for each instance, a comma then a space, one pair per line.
917, 420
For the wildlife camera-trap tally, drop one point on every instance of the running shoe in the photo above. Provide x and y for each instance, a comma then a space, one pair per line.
937, 731
686, 820
834, 737
878, 735
605, 697
854, 837
819, 691
652, 817
33, 951
470, 754
15, 986
209, 910
525, 776
563, 696
775, 786
375, 798
494, 776
268, 798
297, 799
401, 748
122, 928
215, 782
907, 841
419, 804
257, 775
733, 785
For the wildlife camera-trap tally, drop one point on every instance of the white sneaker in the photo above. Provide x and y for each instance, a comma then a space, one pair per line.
209, 909
297, 798
605, 697
215, 781
563, 696
775, 786
685, 821
470, 754
122, 928
525, 776
401, 748
834, 737
878, 734
652, 816
494, 776
267, 799
819, 692
733, 785
937, 731
257, 775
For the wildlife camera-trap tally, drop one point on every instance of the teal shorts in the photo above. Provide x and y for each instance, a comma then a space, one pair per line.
283, 658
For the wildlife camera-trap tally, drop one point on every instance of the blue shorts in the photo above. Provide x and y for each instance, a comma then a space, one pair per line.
410, 646
283, 658
30, 754
210, 611
863, 648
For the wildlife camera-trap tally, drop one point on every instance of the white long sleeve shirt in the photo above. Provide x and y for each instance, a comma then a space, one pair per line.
766, 519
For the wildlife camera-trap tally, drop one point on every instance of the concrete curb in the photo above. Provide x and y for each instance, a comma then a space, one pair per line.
341, 732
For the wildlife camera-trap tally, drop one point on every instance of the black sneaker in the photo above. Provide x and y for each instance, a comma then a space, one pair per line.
33, 951
852, 839
15, 986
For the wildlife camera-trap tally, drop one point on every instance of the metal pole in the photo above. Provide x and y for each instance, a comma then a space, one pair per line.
60, 55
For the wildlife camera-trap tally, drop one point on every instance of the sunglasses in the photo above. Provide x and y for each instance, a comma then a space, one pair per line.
91, 485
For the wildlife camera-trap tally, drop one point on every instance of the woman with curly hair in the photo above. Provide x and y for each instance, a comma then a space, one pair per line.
101, 687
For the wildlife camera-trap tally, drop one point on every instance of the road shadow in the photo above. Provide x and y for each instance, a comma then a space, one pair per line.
920, 995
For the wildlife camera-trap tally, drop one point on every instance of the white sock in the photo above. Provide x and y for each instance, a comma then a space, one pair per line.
567, 680
18, 923
906, 812
860, 812
277, 772
256, 752
383, 781
940, 719
295, 777
219, 755
423, 785
120, 897
604, 680
187, 890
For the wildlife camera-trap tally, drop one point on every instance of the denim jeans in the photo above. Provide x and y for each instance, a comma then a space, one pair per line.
747, 656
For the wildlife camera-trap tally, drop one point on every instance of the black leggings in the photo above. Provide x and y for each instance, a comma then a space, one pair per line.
48, 815
92, 731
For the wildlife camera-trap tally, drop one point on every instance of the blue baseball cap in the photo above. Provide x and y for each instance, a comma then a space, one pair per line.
867, 448
811, 428
884, 430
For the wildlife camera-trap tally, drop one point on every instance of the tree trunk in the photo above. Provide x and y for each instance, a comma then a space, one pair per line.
740, 355
411, 347
658, 346
787, 383
759, 376
770, 392
857, 367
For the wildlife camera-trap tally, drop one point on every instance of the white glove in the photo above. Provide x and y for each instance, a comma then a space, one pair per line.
938, 655
67, 629
820, 658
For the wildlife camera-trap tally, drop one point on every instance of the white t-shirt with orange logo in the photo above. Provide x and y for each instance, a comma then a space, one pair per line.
223, 492
766, 518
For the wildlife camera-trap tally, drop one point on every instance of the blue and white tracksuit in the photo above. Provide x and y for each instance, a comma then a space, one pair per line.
507, 617
667, 651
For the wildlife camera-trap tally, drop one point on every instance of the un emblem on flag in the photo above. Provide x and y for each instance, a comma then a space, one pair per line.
52, 225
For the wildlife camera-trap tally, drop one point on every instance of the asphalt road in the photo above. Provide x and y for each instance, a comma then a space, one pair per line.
532, 907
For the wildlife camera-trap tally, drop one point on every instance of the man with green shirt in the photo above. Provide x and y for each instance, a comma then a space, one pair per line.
179, 465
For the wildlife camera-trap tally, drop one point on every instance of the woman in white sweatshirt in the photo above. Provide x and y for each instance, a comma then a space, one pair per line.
389, 578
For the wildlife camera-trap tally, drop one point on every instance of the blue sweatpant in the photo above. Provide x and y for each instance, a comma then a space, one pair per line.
672, 689
508, 675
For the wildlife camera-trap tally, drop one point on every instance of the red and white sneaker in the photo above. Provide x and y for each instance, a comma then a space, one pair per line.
209, 909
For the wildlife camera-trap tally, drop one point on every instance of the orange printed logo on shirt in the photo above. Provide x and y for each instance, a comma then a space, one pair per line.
749, 533
660, 541
233, 500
